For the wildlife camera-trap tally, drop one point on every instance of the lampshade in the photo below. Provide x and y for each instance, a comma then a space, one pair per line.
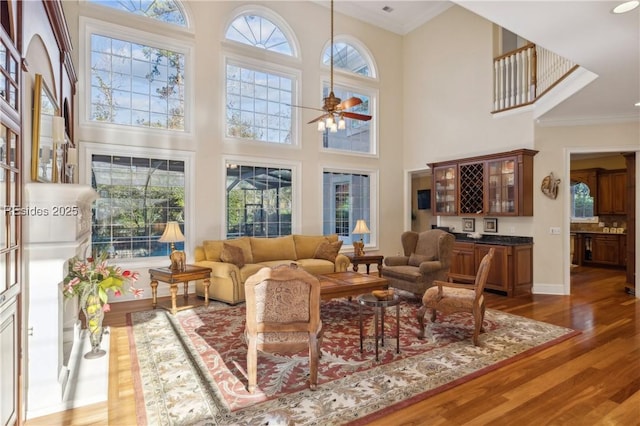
361, 227
172, 233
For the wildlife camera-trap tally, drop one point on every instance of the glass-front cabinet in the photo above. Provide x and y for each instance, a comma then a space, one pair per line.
445, 186
501, 189
490, 185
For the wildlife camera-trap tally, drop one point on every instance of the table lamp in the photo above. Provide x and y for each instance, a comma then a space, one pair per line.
361, 228
172, 234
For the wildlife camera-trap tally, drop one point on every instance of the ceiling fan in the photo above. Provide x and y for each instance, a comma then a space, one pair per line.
335, 108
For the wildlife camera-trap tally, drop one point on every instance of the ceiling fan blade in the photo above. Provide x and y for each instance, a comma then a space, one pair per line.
348, 103
305, 107
356, 116
322, 117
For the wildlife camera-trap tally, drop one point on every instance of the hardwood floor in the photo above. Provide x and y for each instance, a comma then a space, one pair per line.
593, 378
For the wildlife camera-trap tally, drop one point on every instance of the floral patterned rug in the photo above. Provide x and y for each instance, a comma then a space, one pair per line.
190, 369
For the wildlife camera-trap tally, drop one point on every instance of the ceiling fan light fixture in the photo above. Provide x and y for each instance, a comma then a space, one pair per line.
342, 124
330, 121
321, 126
333, 128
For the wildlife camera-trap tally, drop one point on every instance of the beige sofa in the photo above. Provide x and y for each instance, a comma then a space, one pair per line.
227, 278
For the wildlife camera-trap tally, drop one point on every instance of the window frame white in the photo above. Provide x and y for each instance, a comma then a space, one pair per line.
374, 184
87, 149
90, 26
296, 182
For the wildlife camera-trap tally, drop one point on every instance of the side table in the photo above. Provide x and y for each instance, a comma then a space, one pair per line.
171, 277
379, 306
366, 259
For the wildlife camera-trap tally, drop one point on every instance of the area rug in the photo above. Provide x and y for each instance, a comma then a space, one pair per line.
190, 369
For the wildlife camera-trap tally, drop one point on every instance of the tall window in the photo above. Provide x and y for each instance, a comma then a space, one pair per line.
138, 196
259, 201
259, 89
358, 136
167, 11
347, 198
133, 84
258, 104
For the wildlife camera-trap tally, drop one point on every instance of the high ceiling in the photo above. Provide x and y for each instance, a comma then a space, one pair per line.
586, 32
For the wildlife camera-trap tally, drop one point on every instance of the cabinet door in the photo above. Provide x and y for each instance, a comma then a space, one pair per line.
618, 193
604, 194
498, 278
445, 179
471, 188
463, 259
502, 186
606, 249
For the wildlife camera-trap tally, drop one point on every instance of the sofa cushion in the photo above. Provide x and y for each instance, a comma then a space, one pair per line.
417, 259
232, 254
317, 266
306, 244
428, 244
212, 249
245, 245
327, 250
267, 249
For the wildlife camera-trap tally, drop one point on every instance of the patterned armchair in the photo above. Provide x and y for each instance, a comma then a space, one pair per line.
427, 257
283, 315
449, 297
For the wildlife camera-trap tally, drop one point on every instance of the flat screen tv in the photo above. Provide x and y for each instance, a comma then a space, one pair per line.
424, 199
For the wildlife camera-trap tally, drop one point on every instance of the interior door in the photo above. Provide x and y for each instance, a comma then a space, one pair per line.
10, 222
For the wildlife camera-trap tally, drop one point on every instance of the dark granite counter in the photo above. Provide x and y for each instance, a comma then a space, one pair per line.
503, 240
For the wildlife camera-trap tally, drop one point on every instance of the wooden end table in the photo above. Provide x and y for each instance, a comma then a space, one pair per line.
366, 259
379, 306
171, 277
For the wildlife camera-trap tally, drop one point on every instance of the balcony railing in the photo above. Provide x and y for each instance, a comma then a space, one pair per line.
524, 75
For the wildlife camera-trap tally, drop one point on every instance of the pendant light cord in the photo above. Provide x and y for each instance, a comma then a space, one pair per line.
331, 46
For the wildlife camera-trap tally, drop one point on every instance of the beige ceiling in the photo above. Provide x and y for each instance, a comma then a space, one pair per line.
585, 32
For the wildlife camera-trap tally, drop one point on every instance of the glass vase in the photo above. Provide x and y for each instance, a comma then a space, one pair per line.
94, 314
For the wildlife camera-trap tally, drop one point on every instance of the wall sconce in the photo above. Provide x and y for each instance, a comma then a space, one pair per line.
361, 228
172, 234
59, 139
72, 162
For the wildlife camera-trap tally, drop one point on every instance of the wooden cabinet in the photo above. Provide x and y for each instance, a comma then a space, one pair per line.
511, 271
463, 259
612, 188
445, 187
603, 249
497, 184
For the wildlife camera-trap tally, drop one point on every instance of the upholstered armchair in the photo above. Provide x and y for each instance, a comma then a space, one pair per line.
465, 296
427, 257
283, 315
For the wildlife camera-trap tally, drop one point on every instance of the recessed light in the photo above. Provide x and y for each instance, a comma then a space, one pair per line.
388, 9
638, 104
626, 6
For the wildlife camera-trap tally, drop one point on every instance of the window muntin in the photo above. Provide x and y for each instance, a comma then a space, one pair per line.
257, 31
357, 137
259, 200
258, 104
582, 203
138, 196
167, 11
348, 58
347, 198
136, 85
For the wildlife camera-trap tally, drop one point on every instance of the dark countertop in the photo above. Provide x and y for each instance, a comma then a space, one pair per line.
503, 240
598, 232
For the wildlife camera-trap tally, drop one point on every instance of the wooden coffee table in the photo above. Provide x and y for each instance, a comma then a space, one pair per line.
347, 284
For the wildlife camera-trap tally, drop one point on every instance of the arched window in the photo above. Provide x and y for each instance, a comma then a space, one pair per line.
581, 201
168, 11
259, 89
347, 57
258, 31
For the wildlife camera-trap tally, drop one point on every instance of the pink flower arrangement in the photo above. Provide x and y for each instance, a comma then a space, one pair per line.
96, 274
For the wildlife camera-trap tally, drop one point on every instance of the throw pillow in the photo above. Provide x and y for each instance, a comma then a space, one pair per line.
417, 259
328, 251
232, 254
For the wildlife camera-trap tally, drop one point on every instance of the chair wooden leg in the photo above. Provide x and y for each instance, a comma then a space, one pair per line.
252, 364
482, 320
421, 312
433, 315
314, 351
477, 319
